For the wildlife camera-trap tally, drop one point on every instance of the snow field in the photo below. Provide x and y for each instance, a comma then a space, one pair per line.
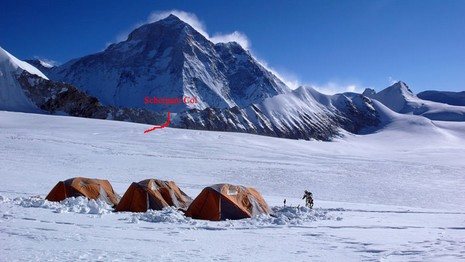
393, 195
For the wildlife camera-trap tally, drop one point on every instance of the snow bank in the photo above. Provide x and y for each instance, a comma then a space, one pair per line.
167, 215
75, 205
3, 199
282, 216
293, 216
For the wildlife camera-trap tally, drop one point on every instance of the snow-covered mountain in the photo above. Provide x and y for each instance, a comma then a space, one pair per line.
399, 98
169, 59
446, 97
12, 96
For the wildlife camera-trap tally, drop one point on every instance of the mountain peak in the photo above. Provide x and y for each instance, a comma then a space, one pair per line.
168, 27
369, 92
171, 18
396, 96
401, 86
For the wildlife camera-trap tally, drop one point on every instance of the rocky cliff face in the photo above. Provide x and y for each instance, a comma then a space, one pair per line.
301, 114
61, 98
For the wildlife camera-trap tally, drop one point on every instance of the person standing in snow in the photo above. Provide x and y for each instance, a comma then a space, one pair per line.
308, 196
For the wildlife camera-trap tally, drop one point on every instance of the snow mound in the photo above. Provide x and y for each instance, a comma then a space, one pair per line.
70, 205
282, 216
167, 215
3, 199
293, 216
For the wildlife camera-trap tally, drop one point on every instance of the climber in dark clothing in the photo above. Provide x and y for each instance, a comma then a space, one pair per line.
308, 196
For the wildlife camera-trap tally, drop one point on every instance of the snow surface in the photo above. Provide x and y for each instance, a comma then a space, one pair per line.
393, 195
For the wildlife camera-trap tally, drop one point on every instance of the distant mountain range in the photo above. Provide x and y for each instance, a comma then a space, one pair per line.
170, 59
450, 98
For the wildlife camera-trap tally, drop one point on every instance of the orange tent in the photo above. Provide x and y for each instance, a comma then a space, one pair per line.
86, 187
153, 194
224, 201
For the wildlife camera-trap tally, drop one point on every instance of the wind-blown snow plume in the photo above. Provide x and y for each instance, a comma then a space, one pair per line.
195, 22
331, 88
48, 63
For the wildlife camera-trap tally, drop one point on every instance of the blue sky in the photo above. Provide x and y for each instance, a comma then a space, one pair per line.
334, 45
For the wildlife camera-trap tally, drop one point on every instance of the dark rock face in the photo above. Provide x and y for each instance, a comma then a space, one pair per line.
54, 97
357, 112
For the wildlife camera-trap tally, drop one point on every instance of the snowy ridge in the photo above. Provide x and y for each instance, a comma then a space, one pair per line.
401, 99
16, 63
12, 96
303, 113
42, 65
450, 98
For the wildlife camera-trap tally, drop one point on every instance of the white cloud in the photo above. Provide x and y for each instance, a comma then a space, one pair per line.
392, 80
332, 88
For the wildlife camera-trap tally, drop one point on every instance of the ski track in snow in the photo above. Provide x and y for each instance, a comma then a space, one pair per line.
387, 196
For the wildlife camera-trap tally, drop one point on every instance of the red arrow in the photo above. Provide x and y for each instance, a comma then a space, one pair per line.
162, 126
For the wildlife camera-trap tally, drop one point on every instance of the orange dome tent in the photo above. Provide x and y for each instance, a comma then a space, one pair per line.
153, 194
224, 201
86, 187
